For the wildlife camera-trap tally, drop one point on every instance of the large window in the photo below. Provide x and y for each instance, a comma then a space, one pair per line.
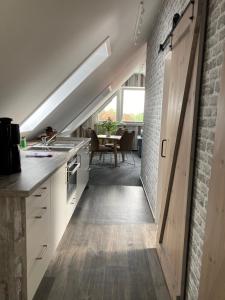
133, 105
126, 106
109, 111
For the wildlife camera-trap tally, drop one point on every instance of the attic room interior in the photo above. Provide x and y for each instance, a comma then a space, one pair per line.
112, 150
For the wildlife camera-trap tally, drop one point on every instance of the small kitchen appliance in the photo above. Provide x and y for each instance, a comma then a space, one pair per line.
9, 151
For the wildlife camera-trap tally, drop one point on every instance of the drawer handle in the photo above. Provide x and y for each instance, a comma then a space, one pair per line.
38, 195
43, 251
38, 217
44, 207
44, 188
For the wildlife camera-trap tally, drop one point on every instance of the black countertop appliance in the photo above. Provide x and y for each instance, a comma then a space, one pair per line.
9, 151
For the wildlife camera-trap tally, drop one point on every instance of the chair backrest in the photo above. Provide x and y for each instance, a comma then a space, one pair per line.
94, 141
120, 131
126, 141
88, 133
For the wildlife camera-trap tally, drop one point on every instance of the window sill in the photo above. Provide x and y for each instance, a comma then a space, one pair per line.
132, 123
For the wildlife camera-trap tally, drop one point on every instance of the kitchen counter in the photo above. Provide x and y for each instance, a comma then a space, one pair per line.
35, 171
34, 213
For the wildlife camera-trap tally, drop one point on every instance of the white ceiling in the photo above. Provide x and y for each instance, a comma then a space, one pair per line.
42, 42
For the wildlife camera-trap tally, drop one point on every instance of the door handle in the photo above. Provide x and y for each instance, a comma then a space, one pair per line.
162, 148
42, 254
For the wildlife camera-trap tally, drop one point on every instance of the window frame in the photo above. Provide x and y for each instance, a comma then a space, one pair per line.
68, 86
104, 106
122, 103
120, 106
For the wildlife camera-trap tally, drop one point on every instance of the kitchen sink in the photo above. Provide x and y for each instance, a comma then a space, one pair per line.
43, 148
57, 146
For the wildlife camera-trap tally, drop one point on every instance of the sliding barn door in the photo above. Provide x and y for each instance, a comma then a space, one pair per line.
163, 161
177, 146
212, 282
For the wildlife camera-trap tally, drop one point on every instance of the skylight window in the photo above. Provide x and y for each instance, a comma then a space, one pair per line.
68, 86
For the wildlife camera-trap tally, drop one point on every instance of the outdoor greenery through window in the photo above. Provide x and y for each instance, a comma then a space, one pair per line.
109, 111
133, 105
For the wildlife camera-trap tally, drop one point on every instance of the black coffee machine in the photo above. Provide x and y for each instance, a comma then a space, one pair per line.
9, 151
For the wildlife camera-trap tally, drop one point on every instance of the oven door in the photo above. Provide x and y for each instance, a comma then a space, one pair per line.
72, 169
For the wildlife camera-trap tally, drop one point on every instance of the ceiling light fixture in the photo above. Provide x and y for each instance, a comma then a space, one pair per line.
139, 22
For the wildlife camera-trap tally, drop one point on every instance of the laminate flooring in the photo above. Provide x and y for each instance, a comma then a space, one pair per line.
107, 251
126, 173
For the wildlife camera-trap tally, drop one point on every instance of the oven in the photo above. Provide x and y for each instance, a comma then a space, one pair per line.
72, 168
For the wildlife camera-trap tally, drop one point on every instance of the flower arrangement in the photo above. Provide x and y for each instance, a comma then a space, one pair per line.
109, 126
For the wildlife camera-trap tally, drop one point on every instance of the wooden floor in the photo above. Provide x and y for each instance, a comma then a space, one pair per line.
107, 251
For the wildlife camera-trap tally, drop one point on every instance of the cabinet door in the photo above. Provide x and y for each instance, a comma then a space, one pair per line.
83, 172
37, 236
163, 137
58, 205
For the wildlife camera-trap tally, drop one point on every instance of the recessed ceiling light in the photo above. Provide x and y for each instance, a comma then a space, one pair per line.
139, 21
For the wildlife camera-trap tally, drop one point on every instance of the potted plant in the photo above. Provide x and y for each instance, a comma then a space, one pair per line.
109, 126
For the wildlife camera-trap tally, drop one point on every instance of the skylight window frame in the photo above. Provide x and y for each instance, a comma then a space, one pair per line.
66, 88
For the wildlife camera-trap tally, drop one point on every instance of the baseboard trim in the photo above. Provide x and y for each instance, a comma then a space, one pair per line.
149, 203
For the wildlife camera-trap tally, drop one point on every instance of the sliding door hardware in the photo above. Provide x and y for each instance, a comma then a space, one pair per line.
176, 20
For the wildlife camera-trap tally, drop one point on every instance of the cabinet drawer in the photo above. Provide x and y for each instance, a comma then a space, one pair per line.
37, 270
37, 236
71, 205
42, 193
38, 202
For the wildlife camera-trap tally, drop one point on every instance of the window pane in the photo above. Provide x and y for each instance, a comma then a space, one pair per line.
67, 87
109, 111
133, 105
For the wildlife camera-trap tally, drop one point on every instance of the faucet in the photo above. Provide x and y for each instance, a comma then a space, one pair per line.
47, 142
51, 139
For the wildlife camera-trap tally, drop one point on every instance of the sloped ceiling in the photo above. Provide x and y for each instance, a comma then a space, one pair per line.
42, 42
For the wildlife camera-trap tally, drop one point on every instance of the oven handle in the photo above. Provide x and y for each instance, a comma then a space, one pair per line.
72, 172
73, 162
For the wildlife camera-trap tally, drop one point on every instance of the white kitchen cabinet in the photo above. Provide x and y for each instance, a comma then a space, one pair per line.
59, 218
70, 207
38, 241
34, 222
48, 212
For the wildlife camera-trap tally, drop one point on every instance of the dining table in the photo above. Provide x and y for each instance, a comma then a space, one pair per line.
114, 139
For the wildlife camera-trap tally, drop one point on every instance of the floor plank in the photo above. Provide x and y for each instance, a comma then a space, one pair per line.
107, 251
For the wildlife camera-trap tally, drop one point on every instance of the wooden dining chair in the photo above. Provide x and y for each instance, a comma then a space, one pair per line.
97, 148
126, 144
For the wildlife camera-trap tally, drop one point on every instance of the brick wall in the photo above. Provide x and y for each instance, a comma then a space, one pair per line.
215, 38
